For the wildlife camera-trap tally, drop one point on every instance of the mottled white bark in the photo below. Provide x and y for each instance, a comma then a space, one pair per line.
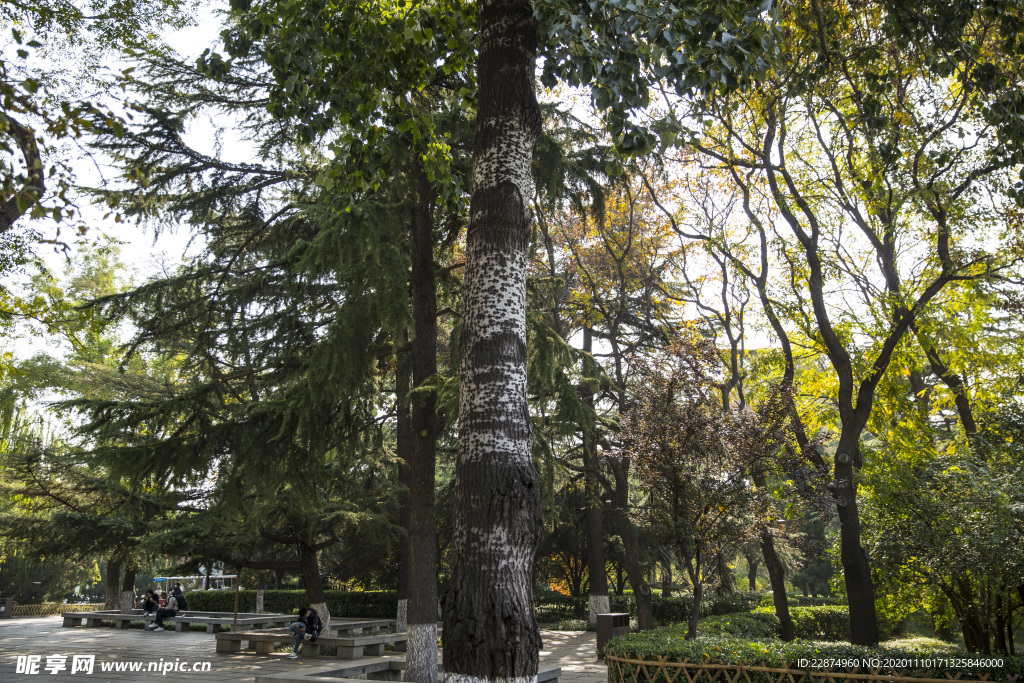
127, 601
464, 678
599, 604
401, 619
489, 630
259, 601
325, 617
421, 650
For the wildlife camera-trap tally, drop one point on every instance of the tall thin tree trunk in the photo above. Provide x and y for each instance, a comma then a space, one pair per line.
776, 571
594, 513
666, 579
777, 577
421, 659
403, 371
856, 570
630, 544
489, 627
697, 586
112, 600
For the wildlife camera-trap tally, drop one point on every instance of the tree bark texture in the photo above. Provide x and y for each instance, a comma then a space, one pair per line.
128, 590
403, 371
777, 577
666, 579
776, 572
631, 545
112, 599
856, 569
35, 182
594, 514
421, 657
489, 627
309, 565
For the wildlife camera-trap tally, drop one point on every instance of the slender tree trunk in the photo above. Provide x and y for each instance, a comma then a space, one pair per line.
421, 658
856, 570
404, 439
777, 577
113, 586
278, 579
594, 514
489, 627
309, 565
1000, 644
776, 571
693, 569
752, 573
128, 589
630, 544
666, 579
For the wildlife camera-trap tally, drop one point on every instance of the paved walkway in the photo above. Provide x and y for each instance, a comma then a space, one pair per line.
45, 637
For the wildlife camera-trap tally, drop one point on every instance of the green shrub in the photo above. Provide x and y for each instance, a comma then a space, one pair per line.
370, 604
803, 600
669, 643
749, 625
825, 622
553, 607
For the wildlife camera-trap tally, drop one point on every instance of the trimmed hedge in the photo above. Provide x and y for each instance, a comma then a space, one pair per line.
804, 600
553, 607
824, 622
757, 625
669, 643
372, 604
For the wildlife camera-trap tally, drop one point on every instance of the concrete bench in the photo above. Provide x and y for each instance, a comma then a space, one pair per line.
348, 647
181, 622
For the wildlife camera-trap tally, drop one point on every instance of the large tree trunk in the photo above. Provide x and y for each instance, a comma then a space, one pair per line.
421, 658
112, 599
594, 514
403, 435
489, 627
856, 571
630, 544
128, 589
309, 565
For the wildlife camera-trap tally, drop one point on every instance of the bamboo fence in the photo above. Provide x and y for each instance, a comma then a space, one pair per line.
662, 670
48, 608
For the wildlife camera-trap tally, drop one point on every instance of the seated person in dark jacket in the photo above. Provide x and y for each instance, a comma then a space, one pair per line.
169, 610
308, 626
149, 603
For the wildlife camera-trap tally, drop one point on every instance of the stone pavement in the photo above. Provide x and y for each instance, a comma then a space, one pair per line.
44, 636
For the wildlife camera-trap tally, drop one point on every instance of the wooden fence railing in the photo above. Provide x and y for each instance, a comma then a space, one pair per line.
661, 670
53, 608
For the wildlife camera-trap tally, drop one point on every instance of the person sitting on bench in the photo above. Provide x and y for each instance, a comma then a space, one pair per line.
170, 610
149, 603
308, 626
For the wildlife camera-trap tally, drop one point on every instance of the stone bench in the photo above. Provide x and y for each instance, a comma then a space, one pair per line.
351, 647
181, 622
